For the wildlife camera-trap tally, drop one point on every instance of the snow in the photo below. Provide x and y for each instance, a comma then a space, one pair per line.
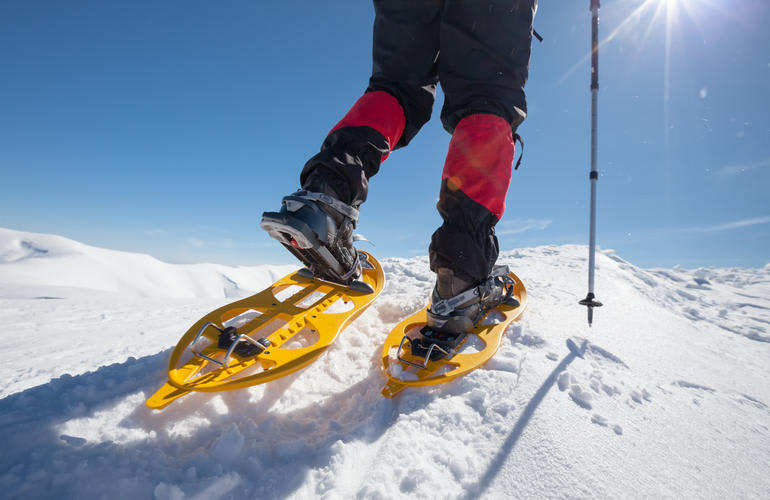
53, 261
671, 399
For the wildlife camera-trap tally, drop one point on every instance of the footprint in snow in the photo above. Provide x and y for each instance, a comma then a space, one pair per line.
600, 384
580, 397
530, 340
748, 400
690, 385
700, 390
640, 397
602, 421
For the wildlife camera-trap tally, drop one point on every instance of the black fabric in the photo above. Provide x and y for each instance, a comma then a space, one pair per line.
479, 50
349, 157
404, 57
484, 61
466, 241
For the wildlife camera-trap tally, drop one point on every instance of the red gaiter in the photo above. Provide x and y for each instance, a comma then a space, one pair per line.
479, 160
380, 111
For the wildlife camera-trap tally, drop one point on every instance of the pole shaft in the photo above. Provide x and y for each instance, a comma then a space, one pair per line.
590, 300
594, 176
595, 45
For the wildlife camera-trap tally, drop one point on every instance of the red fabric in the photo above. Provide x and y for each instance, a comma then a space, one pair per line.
380, 111
479, 160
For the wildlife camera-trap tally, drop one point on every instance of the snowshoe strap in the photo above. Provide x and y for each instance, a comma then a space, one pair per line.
244, 346
446, 306
509, 285
499, 271
517, 137
332, 202
352, 273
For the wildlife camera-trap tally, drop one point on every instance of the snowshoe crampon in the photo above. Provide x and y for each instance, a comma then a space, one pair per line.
267, 336
415, 356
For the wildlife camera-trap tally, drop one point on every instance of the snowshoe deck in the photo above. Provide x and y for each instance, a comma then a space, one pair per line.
282, 329
439, 364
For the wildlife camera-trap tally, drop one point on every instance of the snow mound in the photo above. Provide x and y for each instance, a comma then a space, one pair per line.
40, 260
670, 400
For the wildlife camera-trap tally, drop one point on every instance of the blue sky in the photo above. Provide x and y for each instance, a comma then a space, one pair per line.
167, 127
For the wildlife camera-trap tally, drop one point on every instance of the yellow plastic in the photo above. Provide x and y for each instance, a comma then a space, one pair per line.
279, 321
444, 370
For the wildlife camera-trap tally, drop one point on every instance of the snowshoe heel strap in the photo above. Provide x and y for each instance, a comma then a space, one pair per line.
446, 306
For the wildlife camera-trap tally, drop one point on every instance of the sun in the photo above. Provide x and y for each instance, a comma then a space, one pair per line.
643, 19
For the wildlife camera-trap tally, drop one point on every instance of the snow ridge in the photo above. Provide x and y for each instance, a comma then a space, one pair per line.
670, 400
53, 261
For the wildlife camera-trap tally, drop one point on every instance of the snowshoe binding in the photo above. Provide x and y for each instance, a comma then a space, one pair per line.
434, 354
452, 315
434, 345
229, 336
318, 229
262, 338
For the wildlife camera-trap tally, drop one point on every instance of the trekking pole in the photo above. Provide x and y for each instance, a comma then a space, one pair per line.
590, 300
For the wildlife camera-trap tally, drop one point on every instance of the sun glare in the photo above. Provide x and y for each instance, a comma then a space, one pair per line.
640, 19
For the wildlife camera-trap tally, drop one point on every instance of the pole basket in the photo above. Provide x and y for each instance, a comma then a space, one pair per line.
590, 302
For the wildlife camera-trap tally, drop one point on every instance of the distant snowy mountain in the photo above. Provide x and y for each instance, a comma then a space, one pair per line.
671, 400
53, 261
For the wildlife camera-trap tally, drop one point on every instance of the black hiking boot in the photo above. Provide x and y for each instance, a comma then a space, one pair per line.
318, 229
457, 305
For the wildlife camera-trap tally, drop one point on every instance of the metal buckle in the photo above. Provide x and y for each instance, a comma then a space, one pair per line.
424, 365
225, 361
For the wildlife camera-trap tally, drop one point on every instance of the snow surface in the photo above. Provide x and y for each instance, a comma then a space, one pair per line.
671, 400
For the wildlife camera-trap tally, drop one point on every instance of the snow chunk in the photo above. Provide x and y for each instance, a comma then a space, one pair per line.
228, 447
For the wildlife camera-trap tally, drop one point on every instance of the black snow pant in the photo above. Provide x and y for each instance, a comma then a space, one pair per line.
479, 51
